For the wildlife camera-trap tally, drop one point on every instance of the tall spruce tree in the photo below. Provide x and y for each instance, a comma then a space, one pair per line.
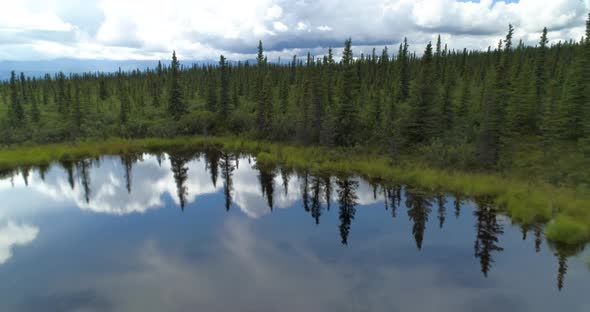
346, 122
16, 113
404, 71
224, 96
176, 106
422, 123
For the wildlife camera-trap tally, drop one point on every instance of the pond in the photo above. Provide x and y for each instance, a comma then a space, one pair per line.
212, 231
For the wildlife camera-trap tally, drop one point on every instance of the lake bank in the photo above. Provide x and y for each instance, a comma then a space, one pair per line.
565, 210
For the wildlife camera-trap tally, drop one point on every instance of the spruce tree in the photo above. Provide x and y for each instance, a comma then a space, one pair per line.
35, 113
176, 107
265, 109
16, 112
346, 122
224, 99
540, 75
404, 71
422, 122
76, 111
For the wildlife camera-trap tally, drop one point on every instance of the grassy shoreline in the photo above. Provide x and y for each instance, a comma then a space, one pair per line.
566, 210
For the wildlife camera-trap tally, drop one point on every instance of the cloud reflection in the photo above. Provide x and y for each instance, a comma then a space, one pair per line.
12, 235
112, 186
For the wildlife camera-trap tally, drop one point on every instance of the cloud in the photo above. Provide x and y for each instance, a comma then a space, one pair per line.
274, 12
280, 27
115, 29
11, 235
241, 263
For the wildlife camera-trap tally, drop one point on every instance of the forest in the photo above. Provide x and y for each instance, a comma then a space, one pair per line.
512, 108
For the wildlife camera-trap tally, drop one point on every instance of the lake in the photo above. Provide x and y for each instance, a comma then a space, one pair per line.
213, 231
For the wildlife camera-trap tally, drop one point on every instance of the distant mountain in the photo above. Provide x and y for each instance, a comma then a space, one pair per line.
40, 68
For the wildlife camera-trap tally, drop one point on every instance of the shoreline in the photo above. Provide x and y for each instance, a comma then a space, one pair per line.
565, 210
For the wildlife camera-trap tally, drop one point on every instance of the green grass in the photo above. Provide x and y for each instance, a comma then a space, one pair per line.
567, 210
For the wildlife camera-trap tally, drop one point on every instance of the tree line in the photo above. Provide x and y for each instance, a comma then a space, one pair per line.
460, 108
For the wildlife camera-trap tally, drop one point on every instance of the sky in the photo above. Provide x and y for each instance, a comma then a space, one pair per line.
35, 30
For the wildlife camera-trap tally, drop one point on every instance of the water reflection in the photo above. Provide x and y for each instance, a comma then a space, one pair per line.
488, 232
11, 235
135, 184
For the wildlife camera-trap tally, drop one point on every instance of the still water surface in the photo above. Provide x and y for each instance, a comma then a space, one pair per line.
214, 232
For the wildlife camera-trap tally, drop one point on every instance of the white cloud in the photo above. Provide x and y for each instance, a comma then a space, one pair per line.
302, 26
274, 12
12, 235
18, 17
205, 29
280, 27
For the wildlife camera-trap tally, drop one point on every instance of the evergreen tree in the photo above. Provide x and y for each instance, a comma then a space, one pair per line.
76, 118
404, 72
16, 112
346, 121
35, 113
124, 102
176, 107
103, 93
540, 70
265, 108
422, 123
23, 87
211, 91
224, 99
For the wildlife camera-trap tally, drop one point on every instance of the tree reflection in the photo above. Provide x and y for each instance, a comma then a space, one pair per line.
316, 202
457, 204
441, 202
159, 158
212, 163
25, 171
83, 168
266, 177
285, 176
128, 160
419, 207
227, 171
179, 167
7, 174
327, 191
538, 231
305, 191
488, 231
562, 252
69, 168
394, 196
43, 168
347, 198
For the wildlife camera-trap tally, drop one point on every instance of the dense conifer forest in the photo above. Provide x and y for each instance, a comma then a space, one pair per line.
512, 107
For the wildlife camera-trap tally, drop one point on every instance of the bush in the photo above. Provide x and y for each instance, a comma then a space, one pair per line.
568, 230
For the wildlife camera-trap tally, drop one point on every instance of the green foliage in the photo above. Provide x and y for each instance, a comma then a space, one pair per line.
567, 230
177, 107
346, 120
422, 123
